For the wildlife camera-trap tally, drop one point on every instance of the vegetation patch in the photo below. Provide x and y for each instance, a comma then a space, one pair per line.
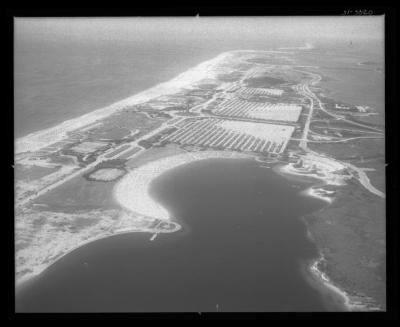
232, 77
29, 173
264, 81
106, 174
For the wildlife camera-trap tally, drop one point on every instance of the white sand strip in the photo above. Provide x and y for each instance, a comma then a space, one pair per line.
132, 192
40, 139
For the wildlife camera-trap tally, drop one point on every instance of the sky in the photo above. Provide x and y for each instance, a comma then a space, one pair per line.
305, 28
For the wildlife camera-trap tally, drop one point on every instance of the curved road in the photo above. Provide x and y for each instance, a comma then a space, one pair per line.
304, 90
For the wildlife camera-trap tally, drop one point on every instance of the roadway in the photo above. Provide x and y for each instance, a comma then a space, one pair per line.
304, 90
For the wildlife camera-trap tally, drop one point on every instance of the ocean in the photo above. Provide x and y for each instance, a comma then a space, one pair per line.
55, 82
63, 78
240, 249
59, 79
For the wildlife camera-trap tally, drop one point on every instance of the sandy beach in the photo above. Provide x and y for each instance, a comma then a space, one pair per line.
132, 192
32, 261
205, 70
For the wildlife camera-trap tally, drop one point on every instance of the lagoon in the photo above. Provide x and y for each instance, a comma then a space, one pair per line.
242, 247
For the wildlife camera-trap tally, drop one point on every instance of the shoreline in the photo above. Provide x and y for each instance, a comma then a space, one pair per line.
320, 276
124, 197
204, 70
19, 283
132, 192
323, 278
316, 190
145, 175
137, 200
36, 272
42, 138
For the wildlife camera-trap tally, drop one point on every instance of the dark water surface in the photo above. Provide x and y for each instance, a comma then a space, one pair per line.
61, 79
242, 247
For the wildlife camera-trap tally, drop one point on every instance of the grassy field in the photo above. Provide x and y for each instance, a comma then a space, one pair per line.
351, 150
79, 194
124, 121
231, 77
264, 81
110, 133
32, 173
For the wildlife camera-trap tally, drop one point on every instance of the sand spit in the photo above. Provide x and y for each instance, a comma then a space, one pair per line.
52, 241
40, 267
40, 139
132, 192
